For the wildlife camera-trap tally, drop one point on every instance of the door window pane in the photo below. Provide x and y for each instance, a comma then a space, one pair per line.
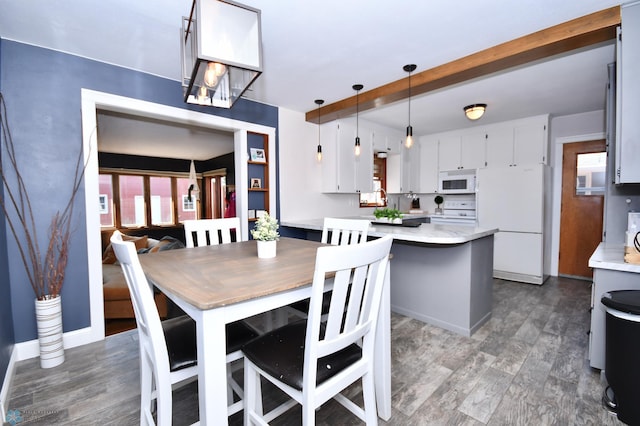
590, 176
132, 210
106, 201
187, 208
161, 202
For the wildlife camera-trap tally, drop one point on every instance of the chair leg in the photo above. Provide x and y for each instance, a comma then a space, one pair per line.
369, 396
308, 414
146, 390
253, 413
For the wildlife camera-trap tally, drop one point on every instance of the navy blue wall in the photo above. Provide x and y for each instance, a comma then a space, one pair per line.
6, 322
42, 91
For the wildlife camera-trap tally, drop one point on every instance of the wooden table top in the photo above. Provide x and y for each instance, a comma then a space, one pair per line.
214, 276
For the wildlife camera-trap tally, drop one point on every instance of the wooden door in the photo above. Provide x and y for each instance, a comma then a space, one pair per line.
581, 216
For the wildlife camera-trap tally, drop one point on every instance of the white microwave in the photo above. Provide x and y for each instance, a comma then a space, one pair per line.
457, 182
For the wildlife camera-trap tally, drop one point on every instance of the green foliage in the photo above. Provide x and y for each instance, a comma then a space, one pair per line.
386, 212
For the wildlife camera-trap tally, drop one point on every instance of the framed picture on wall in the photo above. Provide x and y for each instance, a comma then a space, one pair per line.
257, 155
256, 183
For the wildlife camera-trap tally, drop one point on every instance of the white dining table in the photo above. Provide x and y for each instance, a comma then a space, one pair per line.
220, 284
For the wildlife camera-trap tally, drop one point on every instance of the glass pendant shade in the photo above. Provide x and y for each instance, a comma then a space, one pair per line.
221, 44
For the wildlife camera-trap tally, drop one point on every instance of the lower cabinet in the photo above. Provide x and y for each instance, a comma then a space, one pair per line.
605, 280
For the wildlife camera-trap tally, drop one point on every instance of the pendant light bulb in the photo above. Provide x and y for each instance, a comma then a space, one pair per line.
211, 75
357, 88
319, 150
408, 143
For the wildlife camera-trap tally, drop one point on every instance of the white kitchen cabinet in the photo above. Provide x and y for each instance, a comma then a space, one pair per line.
342, 171
518, 143
428, 165
385, 139
605, 280
462, 150
403, 171
627, 151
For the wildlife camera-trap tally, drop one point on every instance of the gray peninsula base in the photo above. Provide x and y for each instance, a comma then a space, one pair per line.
447, 285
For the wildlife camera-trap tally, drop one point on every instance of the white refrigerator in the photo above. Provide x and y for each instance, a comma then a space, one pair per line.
512, 199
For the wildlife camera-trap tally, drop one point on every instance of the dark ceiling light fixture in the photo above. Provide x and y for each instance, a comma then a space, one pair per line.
357, 88
221, 52
319, 151
409, 141
475, 111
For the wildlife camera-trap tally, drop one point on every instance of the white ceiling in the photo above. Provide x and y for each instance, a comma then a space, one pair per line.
320, 48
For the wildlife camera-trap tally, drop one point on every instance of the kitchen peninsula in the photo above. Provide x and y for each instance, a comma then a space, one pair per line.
440, 274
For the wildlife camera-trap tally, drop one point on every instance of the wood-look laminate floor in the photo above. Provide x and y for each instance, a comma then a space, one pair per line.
528, 365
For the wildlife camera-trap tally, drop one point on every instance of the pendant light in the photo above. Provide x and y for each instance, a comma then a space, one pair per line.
409, 141
319, 152
357, 88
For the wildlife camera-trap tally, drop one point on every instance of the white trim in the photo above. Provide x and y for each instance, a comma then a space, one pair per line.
91, 102
557, 192
5, 391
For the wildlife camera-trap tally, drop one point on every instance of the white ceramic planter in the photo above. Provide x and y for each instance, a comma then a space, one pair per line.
266, 249
49, 322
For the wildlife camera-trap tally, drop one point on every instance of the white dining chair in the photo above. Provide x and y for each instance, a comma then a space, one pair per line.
335, 231
311, 360
168, 349
338, 231
209, 232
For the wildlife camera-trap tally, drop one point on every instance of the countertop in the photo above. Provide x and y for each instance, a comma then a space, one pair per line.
611, 256
428, 233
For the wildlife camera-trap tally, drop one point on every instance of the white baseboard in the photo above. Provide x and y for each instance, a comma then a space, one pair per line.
5, 394
71, 339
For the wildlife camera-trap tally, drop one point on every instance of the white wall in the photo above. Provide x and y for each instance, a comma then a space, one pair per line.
301, 174
567, 129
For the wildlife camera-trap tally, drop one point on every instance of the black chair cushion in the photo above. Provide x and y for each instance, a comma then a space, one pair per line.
180, 336
281, 354
238, 333
303, 305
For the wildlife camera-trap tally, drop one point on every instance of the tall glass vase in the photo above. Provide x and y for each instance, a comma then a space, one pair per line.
49, 322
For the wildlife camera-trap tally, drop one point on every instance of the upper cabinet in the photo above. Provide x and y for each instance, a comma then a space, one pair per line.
342, 170
462, 150
627, 153
428, 164
518, 142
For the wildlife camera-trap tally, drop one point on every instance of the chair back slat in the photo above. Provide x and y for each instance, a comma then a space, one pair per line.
337, 231
148, 321
357, 285
210, 232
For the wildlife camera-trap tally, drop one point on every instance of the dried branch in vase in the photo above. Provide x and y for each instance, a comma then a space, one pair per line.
46, 275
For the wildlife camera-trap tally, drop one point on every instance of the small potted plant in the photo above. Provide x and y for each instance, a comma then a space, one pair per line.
388, 215
266, 233
438, 200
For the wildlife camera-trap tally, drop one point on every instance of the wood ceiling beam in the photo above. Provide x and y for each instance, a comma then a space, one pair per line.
578, 33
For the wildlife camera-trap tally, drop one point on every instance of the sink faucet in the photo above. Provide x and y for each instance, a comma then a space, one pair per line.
383, 193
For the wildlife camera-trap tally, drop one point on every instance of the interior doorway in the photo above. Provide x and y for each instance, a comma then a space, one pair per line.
582, 206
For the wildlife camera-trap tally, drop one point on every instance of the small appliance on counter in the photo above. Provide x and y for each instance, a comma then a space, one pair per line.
632, 241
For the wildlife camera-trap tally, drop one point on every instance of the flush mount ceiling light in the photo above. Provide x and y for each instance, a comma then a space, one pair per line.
409, 141
319, 152
357, 88
221, 46
475, 111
